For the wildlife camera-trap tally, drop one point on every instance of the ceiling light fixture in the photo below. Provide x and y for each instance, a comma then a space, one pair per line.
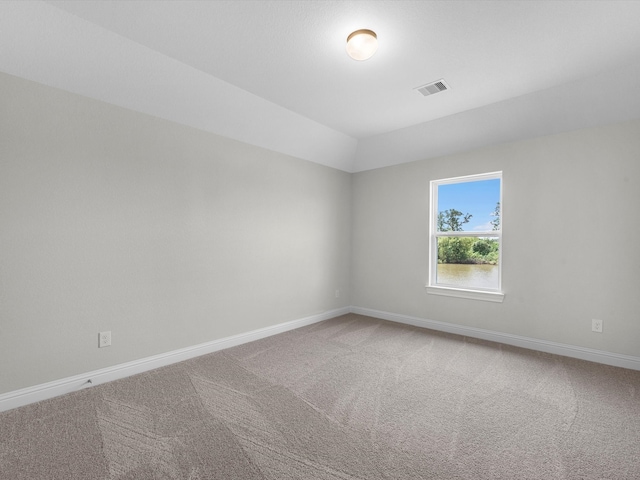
362, 44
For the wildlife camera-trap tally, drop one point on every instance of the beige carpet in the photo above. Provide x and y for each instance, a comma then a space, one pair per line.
348, 398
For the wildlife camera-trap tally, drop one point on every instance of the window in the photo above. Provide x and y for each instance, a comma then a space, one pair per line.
465, 245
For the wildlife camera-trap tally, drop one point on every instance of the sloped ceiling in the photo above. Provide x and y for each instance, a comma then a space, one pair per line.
275, 73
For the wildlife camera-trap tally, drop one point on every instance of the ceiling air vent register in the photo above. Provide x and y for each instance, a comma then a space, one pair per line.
433, 87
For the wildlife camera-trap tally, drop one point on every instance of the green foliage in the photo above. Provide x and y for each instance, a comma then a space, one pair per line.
467, 250
482, 247
496, 221
453, 250
452, 220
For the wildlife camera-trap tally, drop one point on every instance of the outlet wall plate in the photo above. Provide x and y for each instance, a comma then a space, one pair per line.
596, 325
104, 339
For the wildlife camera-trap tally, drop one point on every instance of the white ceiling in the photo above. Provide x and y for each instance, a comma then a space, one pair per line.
275, 73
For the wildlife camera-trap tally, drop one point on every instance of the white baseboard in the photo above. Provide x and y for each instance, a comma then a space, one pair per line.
56, 388
598, 356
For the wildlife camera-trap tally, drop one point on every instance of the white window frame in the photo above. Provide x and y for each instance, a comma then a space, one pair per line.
491, 295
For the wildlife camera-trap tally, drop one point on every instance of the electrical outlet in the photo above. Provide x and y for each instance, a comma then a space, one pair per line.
337, 293
104, 339
596, 325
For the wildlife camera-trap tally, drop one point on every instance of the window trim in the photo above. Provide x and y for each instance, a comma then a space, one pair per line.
491, 295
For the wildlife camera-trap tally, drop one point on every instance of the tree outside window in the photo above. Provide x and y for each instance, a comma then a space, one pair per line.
466, 233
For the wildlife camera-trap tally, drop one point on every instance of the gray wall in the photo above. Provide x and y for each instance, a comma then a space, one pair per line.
571, 227
165, 235
171, 237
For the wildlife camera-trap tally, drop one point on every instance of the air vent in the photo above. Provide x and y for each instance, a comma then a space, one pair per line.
433, 87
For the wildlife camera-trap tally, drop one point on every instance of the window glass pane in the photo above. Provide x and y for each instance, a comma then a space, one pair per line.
470, 262
469, 206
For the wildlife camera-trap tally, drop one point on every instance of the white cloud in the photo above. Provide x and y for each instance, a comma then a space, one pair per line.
483, 227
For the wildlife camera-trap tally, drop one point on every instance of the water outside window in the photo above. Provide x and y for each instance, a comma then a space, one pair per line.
464, 260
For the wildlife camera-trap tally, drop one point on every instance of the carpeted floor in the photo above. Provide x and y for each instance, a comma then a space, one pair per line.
348, 398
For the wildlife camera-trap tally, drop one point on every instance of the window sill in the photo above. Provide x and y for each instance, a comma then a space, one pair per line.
464, 293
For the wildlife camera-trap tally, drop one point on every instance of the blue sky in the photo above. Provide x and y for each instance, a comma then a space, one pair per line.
478, 198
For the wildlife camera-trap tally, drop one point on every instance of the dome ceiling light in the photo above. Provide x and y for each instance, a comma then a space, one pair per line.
362, 44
